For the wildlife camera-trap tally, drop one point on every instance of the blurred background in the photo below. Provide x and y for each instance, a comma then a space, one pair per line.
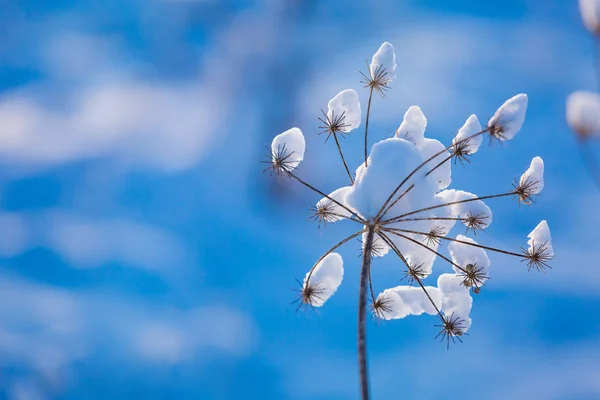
144, 255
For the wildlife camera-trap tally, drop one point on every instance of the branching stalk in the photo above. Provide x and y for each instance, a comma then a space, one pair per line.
362, 314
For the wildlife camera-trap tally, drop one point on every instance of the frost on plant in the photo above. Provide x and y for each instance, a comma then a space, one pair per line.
590, 14
401, 200
583, 107
583, 114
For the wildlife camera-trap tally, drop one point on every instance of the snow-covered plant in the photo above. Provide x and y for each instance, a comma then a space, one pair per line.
400, 200
583, 107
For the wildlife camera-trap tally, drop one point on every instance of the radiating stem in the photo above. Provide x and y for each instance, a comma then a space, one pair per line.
509, 253
400, 217
311, 187
384, 209
401, 256
337, 142
367, 125
362, 315
330, 251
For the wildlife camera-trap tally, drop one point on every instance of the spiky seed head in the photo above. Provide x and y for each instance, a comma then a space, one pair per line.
475, 222
524, 191
473, 277
379, 81
432, 238
279, 161
460, 152
537, 257
309, 293
452, 328
323, 213
496, 132
381, 306
414, 273
334, 124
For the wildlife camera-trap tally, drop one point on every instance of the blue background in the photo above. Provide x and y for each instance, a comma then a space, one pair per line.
144, 255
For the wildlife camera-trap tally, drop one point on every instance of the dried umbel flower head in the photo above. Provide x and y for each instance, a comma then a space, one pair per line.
590, 14
583, 114
400, 199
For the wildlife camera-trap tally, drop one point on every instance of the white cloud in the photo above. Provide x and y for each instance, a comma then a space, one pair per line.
46, 329
92, 243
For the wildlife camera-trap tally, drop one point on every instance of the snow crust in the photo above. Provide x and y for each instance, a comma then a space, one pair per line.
345, 103
470, 128
541, 236
456, 299
510, 116
463, 255
534, 175
291, 142
385, 58
583, 113
590, 14
402, 301
325, 278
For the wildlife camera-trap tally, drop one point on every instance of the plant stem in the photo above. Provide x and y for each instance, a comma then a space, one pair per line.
362, 315
337, 142
367, 126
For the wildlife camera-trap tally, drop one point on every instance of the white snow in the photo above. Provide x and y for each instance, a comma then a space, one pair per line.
470, 128
325, 278
541, 236
345, 103
476, 208
510, 116
413, 126
290, 142
456, 299
413, 129
590, 14
534, 175
583, 113
386, 58
339, 196
402, 301
463, 255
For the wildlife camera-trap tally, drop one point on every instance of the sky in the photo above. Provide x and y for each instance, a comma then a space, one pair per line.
144, 254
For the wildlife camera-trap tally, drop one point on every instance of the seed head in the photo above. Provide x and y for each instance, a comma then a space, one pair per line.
452, 329
525, 190
537, 257
279, 161
414, 273
334, 124
473, 277
378, 81
475, 222
432, 239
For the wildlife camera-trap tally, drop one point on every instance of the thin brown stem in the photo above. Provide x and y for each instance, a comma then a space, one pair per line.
510, 253
331, 250
367, 125
401, 196
337, 142
362, 315
400, 217
439, 165
384, 209
314, 189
